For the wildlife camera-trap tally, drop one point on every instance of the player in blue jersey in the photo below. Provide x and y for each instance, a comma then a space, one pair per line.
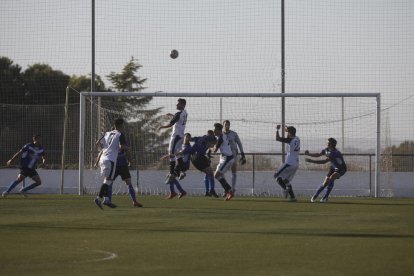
178, 123
201, 159
30, 154
204, 161
287, 170
226, 159
336, 170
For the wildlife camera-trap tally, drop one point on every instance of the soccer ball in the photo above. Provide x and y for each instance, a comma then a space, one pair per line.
174, 54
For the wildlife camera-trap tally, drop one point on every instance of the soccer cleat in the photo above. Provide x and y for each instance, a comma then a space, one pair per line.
324, 200
292, 199
4, 194
208, 194
285, 193
137, 204
109, 204
182, 175
98, 203
213, 193
171, 195
182, 194
313, 199
23, 192
229, 195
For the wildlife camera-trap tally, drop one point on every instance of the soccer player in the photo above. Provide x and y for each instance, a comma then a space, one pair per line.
183, 159
30, 154
122, 169
287, 170
178, 123
201, 159
336, 170
226, 159
235, 145
111, 142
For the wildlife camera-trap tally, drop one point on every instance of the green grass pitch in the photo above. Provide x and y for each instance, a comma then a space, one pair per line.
69, 235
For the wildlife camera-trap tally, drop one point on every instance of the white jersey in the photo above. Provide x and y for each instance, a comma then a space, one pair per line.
293, 149
179, 121
234, 140
110, 145
224, 145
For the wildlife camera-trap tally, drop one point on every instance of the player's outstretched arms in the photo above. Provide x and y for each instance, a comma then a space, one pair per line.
312, 154
316, 161
14, 157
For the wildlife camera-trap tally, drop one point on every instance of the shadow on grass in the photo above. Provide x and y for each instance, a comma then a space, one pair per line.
295, 232
331, 202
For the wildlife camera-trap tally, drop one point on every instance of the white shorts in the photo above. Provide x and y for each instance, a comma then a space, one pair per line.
286, 171
107, 169
175, 145
225, 164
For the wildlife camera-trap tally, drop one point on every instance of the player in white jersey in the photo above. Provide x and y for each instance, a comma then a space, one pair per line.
235, 145
226, 158
111, 143
178, 122
288, 169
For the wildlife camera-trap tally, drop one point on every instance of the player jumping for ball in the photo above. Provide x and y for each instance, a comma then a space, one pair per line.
178, 123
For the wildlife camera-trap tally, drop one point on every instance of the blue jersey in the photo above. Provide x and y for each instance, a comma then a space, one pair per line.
336, 158
31, 153
201, 144
121, 160
187, 151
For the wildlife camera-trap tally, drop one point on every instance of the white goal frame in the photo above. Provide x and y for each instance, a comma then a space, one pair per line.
82, 116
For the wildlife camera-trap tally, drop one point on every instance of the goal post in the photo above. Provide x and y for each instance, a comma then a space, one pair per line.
317, 116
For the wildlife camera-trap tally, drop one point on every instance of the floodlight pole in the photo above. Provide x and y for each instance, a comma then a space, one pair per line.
378, 148
283, 73
93, 49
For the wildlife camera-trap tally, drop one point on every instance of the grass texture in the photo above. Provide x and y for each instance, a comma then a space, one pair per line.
69, 235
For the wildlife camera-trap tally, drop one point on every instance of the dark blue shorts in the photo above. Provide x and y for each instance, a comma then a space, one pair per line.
337, 170
28, 172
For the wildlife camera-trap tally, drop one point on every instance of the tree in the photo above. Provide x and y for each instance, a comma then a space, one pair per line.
143, 122
45, 85
402, 157
11, 82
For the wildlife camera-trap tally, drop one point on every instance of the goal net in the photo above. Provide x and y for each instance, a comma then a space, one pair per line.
352, 119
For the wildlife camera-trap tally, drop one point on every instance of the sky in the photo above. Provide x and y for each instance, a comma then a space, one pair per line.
232, 46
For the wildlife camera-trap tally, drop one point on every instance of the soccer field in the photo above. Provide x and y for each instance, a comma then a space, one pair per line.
69, 235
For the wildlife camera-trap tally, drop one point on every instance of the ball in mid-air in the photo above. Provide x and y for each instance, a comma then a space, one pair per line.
174, 54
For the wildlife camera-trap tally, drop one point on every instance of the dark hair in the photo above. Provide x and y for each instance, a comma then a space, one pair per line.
333, 142
36, 135
226, 121
210, 132
218, 126
185, 134
291, 130
183, 101
119, 122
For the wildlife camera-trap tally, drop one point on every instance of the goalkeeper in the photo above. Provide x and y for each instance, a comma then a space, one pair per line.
336, 170
235, 145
